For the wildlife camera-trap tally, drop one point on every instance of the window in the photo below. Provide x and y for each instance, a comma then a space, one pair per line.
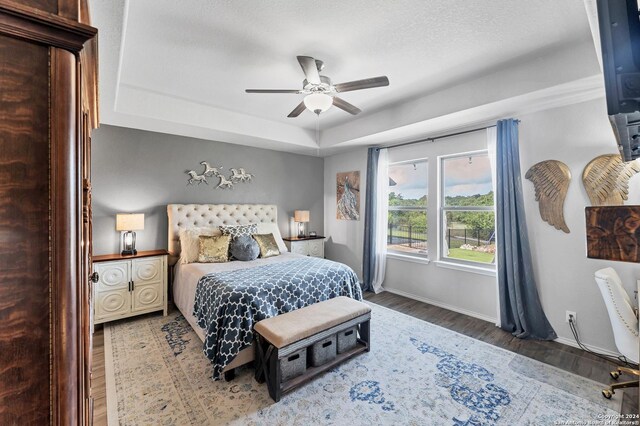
467, 209
407, 223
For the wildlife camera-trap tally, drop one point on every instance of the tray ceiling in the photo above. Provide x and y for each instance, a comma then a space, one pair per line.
182, 67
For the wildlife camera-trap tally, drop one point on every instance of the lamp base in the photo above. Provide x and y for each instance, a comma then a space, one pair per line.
301, 230
129, 244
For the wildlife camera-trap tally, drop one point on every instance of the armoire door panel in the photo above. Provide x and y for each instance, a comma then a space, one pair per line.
44, 338
24, 227
66, 196
50, 6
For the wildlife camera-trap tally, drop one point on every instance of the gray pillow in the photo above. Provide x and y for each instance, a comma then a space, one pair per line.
244, 247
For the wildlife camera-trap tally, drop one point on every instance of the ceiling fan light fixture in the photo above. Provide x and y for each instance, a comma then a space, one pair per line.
318, 102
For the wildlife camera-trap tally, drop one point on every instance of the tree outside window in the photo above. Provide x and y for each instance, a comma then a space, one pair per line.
407, 221
467, 207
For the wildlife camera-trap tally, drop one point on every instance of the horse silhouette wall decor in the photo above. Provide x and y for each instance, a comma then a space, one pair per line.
238, 175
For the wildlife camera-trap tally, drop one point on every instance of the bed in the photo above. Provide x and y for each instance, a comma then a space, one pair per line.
214, 289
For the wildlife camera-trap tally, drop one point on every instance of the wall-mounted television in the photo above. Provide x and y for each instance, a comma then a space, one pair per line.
619, 24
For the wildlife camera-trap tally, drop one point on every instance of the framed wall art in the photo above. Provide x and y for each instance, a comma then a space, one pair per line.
348, 195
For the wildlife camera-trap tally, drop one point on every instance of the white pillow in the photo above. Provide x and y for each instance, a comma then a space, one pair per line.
272, 228
190, 242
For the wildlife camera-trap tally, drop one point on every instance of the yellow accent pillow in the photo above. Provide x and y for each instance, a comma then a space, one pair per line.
214, 249
268, 245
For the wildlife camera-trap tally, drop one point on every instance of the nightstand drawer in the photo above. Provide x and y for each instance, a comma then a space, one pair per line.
148, 270
316, 248
300, 247
147, 296
112, 304
113, 276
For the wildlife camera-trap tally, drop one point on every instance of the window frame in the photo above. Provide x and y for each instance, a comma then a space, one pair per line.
420, 257
453, 262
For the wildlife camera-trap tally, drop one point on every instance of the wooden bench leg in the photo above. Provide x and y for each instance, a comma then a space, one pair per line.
365, 334
229, 375
274, 377
259, 363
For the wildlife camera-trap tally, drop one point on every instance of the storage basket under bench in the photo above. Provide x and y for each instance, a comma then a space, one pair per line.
294, 347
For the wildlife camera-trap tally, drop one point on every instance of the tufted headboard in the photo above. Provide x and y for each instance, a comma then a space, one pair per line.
205, 215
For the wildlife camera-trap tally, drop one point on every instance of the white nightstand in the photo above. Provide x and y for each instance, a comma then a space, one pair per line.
307, 246
130, 285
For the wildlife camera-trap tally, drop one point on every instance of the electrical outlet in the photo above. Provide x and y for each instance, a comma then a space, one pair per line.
572, 315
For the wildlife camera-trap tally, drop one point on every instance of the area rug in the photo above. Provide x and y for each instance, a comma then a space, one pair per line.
416, 374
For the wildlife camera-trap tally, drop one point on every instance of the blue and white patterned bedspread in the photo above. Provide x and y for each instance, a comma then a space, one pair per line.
228, 304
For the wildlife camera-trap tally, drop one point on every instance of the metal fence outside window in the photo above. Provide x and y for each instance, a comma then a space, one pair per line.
411, 236
476, 237
415, 237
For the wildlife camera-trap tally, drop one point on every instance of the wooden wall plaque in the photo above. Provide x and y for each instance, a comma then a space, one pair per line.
613, 233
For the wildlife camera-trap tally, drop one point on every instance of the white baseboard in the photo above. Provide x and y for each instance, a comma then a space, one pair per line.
572, 342
441, 305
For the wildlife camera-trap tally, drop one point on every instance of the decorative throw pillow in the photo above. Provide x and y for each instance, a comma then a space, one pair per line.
214, 249
268, 245
239, 230
190, 243
272, 228
244, 248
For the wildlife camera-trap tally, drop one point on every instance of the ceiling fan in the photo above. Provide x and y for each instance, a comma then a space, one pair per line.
320, 92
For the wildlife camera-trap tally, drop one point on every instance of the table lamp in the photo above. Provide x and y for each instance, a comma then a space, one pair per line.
301, 217
128, 223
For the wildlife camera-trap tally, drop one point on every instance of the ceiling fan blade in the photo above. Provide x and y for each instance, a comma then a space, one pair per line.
297, 110
346, 106
272, 91
367, 83
310, 69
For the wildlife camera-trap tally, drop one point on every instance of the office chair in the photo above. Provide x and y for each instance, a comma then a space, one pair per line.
624, 323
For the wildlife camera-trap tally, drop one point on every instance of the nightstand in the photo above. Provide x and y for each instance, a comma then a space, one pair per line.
130, 285
307, 246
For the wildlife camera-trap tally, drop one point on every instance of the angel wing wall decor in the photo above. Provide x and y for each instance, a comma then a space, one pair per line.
606, 179
551, 181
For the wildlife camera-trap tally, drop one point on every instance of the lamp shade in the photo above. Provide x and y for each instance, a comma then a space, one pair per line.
301, 216
129, 222
318, 102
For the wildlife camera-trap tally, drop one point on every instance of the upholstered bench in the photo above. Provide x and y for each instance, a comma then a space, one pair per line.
294, 347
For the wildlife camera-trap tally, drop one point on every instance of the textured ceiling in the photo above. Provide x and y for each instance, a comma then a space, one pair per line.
182, 67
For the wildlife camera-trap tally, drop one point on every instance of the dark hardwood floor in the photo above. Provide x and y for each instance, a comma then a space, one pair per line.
561, 356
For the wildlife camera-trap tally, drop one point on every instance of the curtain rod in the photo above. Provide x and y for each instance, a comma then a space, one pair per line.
437, 137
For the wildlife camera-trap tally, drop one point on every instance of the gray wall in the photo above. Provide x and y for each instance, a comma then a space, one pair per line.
457, 290
574, 134
136, 171
345, 238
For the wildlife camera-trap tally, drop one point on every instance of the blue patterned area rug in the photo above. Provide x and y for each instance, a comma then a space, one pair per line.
416, 374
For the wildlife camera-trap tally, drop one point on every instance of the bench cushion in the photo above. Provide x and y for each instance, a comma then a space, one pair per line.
290, 327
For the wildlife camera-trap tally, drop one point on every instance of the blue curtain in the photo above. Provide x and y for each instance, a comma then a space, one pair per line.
520, 309
368, 261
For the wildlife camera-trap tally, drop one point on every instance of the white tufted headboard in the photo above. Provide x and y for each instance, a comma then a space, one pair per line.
205, 215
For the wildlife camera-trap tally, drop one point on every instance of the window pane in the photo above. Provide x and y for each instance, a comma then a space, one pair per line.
469, 236
407, 222
407, 231
467, 181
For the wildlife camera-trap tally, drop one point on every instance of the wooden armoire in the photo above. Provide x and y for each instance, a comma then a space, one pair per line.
48, 107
